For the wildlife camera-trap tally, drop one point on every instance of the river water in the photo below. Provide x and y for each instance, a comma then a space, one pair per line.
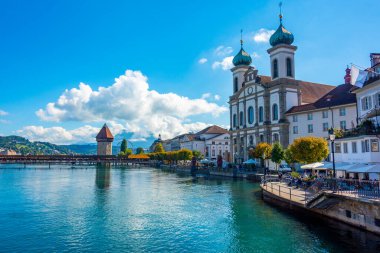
120, 209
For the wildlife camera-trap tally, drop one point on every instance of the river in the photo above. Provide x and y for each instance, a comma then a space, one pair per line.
120, 209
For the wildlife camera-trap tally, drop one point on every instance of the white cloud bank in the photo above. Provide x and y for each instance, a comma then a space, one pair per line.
262, 35
130, 103
224, 64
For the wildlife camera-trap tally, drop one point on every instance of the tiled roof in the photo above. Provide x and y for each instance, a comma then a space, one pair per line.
213, 130
341, 95
104, 133
310, 92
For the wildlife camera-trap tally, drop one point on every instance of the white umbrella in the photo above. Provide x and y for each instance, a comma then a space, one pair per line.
311, 166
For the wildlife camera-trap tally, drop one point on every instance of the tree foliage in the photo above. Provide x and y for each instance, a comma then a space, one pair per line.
124, 145
126, 152
288, 156
158, 148
139, 150
198, 155
277, 154
172, 156
309, 149
263, 150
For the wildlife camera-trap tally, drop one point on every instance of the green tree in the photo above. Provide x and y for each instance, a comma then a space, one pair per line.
277, 154
262, 151
198, 155
158, 148
139, 150
185, 154
309, 149
288, 157
124, 145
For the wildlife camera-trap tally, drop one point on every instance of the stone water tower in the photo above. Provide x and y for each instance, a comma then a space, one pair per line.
104, 139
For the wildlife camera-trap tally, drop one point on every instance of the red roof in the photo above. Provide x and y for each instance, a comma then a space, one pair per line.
213, 130
341, 95
104, 134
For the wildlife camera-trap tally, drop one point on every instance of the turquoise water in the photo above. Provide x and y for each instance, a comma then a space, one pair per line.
145, 210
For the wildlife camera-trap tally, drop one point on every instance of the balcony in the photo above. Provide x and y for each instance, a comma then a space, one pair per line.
372, 77
367, 127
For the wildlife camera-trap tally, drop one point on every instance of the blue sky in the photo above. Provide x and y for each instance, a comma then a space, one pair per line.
47, 47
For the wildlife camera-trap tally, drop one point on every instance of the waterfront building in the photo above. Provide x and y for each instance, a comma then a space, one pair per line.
211, 142
104, 140
259, 103
361, 144
336, 109
4, 151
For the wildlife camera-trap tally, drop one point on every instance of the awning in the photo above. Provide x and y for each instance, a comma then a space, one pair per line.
311, 166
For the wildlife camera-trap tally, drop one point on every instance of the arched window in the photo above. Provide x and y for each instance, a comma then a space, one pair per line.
275, 68
275, 138
235, 84
274, 112
234, 120
250, 115
241, 116
289, 71
261, 114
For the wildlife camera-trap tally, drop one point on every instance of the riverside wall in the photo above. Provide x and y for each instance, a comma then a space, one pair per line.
359, 212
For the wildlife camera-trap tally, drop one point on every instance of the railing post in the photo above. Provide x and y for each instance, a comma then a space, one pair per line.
279, 190
290, 193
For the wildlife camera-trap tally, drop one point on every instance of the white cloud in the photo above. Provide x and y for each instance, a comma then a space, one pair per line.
262, 35
217, 97
225, 64
130, 103
206, 95
3, 113
223, 51
202, 61
59, 135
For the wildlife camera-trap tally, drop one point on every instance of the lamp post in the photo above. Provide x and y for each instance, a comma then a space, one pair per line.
332, 139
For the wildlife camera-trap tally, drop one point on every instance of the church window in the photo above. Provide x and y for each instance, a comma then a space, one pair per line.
234, 121
235, 84
289, 70
275, 138
275, 68
250, 140
241, 118
261, 114
250, 115
275, 112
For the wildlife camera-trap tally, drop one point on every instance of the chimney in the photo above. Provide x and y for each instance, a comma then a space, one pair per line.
347, 77
375, 58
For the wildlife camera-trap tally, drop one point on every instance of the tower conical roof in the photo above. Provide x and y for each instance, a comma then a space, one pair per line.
104, 134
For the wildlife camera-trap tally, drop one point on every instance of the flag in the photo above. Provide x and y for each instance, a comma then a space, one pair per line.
358, 76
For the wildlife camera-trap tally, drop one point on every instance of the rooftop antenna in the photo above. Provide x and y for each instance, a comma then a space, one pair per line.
280, 5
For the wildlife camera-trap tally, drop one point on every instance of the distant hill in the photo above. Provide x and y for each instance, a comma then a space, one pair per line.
87, 149
25, 147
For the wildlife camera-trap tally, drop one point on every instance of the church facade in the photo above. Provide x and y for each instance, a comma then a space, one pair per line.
258, 104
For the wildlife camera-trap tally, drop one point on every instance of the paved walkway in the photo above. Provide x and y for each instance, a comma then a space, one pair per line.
284, 191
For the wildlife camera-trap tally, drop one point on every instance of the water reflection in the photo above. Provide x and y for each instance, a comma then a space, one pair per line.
103, 175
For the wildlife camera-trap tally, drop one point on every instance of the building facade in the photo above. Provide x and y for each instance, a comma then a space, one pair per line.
259, 104
336, 109
210, 142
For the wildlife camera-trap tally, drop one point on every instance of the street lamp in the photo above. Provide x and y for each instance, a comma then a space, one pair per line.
332, 139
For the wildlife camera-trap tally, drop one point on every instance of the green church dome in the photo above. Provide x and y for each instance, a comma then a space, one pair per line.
281, 36
242, 58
